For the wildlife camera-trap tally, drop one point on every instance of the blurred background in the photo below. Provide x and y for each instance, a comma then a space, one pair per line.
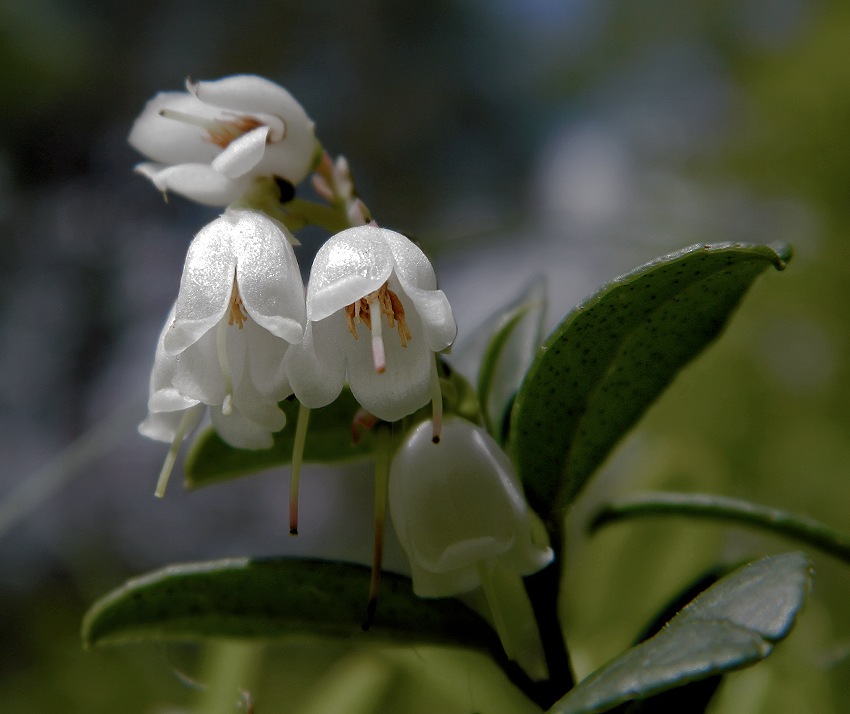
570, 139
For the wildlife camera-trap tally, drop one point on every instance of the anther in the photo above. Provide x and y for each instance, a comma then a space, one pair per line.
219, 132
386, 304
238, 313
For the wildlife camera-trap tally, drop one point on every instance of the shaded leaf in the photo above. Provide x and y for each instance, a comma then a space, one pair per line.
729, 510
693, 697
329, 440
510, 351
734, 623
275, 598
614, 354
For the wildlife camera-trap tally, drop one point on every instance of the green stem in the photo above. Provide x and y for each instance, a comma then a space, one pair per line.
383, 457
318, 214
230, 671
543, 590
722, 508
295, 470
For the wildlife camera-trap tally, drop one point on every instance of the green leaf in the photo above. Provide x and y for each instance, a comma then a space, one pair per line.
733, 624
509, 353
729, 510
614, 354
329, 440
275, 598
693, 697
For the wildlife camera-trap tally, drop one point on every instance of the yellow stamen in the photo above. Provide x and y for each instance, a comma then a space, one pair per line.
390, 307
226, 131
238, 313
387, 304
219, 131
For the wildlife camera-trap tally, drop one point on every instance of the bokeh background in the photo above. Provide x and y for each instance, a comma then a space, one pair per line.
570, 139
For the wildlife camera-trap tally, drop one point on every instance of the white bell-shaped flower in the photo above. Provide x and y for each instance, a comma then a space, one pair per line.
210, 142
240, 305
367, 283
459, 512
458, 504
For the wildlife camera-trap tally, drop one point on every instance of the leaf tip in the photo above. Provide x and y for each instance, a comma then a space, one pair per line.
784, 252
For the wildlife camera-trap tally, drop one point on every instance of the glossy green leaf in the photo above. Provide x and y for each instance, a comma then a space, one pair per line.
275, 598
733, 624
329, 440
509, 353
693, 697
615, 353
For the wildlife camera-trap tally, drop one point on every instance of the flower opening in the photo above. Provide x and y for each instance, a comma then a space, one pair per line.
388, 306
373, 277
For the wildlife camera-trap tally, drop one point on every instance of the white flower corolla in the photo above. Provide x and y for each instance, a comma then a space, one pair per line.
211, 142
367, 283
240, 305
459, 512
458, 504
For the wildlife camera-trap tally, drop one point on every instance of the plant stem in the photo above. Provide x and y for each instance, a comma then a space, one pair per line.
543, 590
230, 671
722, 508
295, 469
383, 457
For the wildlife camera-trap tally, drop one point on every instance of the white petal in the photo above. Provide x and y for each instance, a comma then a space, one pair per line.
267, 274
412, 266
453, 497
265, 354
438, 321
163, 426
164, 365
245, 93
348, 266
170, 399
199, 374
199, 182
253, 419
316, 366
167, 406
240, 432
205, 287
248, 402
171, 141
242, 154
292, 158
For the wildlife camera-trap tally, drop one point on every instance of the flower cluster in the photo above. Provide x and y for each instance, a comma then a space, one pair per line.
243, 334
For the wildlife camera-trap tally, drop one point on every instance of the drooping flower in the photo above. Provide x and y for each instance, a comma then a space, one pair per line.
366, 283
461, 517
240, 305
211, 142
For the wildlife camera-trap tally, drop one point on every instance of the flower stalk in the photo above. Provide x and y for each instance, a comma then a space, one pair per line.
295, 470
383, 457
